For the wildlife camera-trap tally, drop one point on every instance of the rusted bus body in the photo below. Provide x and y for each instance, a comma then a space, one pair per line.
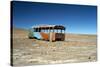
49, 32
60, 36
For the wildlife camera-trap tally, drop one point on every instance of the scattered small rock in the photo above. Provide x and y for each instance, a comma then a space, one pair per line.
89, 58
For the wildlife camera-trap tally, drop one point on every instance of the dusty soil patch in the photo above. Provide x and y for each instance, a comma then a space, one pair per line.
74, 49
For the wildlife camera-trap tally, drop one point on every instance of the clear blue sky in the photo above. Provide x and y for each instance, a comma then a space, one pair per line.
76, 18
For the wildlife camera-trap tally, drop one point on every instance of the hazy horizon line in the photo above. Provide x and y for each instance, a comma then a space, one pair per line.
65, 32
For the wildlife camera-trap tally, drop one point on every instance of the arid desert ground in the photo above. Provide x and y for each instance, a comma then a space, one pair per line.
76, 48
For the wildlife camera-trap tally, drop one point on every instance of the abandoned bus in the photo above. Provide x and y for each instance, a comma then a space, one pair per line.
48, 32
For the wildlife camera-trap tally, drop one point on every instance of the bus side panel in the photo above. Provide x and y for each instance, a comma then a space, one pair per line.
45, 36
60, 36
52, 36
37, 35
